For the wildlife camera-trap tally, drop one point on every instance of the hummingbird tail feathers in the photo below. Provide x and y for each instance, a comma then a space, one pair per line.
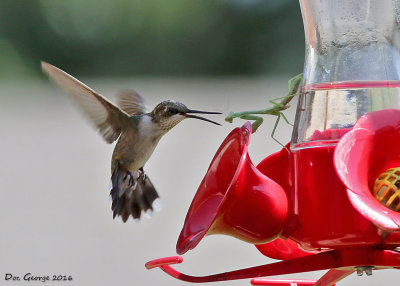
132, 193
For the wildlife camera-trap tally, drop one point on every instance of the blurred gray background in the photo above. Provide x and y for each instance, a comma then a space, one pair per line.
223, 55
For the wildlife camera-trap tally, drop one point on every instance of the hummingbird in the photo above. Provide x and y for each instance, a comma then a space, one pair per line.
138, 133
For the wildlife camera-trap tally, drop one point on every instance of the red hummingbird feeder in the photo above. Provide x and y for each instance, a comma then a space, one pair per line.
330, 200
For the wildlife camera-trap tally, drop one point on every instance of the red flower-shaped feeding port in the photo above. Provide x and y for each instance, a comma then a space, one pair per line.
368, 150
226, 203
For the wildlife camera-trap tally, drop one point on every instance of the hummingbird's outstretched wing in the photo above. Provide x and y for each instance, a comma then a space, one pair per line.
131, 102
108, 118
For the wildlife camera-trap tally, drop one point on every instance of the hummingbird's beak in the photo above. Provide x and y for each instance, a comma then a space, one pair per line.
199, 117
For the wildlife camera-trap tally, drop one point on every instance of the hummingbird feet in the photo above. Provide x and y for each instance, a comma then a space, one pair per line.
128, 179
142, 175
131, 180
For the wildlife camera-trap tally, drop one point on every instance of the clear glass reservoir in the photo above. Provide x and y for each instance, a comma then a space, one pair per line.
352, 66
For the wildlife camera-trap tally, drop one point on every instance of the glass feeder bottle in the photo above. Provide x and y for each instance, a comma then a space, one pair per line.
352, 66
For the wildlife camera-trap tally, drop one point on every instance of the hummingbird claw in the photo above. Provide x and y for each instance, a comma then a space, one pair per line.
142, 175
129, 178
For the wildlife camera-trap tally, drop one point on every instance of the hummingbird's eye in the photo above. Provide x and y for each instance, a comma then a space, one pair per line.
172, 111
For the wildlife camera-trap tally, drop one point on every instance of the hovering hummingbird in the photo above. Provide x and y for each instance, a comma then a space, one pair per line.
138, 132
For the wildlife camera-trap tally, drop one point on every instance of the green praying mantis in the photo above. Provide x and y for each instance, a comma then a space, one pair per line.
276, 109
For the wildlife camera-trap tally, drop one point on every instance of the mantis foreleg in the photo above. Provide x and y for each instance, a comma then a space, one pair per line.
276, 109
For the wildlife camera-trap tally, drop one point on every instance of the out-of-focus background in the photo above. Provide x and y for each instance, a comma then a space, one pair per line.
124, 38
55, 215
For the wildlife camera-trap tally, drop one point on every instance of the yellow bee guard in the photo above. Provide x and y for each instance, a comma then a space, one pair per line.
387, 188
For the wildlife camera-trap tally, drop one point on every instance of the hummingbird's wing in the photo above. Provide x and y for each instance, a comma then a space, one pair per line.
131, 102
108, 118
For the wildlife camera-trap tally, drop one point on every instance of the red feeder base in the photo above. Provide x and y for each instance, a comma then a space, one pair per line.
340, 263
